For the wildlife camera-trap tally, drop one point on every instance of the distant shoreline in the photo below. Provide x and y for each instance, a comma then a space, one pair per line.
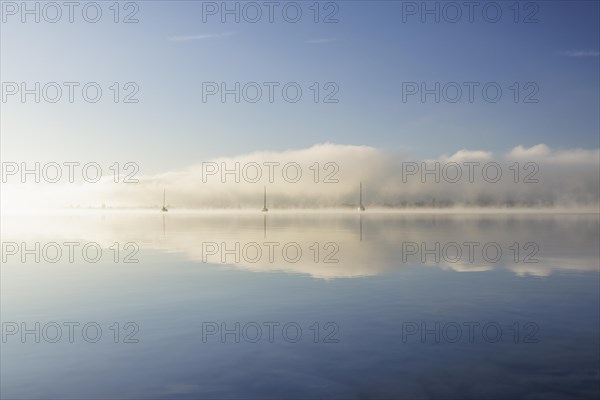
333, 211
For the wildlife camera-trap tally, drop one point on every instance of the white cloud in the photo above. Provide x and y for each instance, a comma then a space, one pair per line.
323, 40
581, 53
199, 37
542, 153
467, 155
537, 150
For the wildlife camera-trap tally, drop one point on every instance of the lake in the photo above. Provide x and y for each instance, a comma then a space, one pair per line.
227, 305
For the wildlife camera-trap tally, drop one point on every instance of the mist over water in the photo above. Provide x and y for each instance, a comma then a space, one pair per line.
328, 176
248, 200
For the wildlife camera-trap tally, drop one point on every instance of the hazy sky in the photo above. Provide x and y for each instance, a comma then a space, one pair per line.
171, 51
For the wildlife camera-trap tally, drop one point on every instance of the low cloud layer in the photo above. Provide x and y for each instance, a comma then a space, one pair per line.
328, 176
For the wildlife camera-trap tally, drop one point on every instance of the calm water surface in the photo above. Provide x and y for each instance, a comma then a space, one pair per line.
307, 305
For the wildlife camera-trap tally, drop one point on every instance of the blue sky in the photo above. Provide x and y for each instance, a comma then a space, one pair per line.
368, 54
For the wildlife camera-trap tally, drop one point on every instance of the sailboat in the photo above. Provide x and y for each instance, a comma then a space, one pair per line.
265, 209
164, 207
360, 203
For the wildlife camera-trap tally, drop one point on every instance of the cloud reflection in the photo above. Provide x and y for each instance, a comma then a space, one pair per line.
336, 245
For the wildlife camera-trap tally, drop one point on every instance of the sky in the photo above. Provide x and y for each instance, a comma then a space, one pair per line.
366, 58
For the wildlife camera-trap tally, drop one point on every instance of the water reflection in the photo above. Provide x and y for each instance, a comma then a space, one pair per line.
203, 267
337, 245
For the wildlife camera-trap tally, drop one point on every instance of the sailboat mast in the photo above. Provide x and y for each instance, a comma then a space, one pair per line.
360, 203
360, 199
164, 196
265, 209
